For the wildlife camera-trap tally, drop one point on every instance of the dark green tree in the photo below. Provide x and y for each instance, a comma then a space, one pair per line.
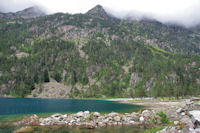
57, 76
46, 75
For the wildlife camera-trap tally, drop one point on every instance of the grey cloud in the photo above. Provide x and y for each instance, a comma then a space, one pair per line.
187, 18
15, 5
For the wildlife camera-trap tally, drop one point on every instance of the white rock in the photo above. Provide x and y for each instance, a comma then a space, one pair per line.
132, 122
97, 114
197, 130
141, 119
113, 114
146, 113
42, 124
72, 121
80, 114
176, 123
195, 115
65, 116
87, 112
179, 110
183, 113
191, 130
117, 118
78, 120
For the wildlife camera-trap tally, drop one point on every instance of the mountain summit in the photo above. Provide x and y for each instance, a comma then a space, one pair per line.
31, 12
98, 11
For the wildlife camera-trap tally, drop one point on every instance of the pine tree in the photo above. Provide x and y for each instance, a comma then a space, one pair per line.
46, 76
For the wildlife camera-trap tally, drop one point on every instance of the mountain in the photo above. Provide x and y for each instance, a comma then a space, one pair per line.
97, 55
98, 11
31, 12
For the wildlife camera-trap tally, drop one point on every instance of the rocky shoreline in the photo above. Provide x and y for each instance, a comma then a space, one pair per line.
89, 120
185, 119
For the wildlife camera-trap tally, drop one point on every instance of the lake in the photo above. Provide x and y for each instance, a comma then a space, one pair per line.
12, 109
10, 106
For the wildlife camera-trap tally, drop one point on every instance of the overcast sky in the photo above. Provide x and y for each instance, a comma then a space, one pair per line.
185, 12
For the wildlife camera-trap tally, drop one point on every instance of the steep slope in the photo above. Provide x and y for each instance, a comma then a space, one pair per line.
95, 55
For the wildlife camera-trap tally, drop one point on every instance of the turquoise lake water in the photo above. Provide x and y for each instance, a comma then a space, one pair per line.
12, 109
13, 106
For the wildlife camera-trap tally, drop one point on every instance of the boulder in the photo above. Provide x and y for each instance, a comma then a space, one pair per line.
132, 122
113, 114
134, 116
101, 124
180, 110
96, 114
86, 112
187, 124
56, 115
195, 115
141, 119
90, 125
197, 130
117, 118
176, 123
183, 113
146, 113
29, 121
80, 114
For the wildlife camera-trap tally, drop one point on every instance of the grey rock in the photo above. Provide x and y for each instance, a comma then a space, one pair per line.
146, 113
96, 114
141, 119
80, 114
56, 115
113, 114
187, 120
117, 118
180, 110
176, 123
195, 115
183, 113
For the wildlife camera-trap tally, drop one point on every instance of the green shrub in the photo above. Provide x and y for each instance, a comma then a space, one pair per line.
164, 118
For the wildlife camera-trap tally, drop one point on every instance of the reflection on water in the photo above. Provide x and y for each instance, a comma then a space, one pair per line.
63, 129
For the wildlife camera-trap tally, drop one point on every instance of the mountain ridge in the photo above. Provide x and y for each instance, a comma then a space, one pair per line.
27, 13
97, 57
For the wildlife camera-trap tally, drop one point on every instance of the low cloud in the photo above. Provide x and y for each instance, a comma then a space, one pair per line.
15, 5
182, 12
